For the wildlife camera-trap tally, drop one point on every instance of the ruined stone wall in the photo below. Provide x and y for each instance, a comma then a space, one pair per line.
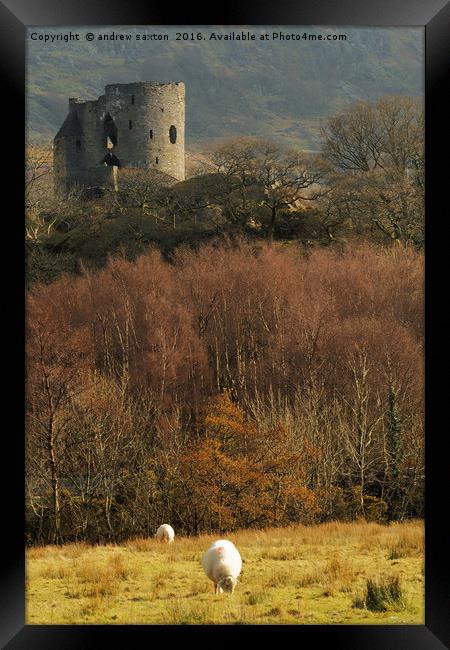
78, 150
144, 114
147, 119
89, 114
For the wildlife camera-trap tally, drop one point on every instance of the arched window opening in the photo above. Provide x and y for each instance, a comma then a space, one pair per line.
130, 124
151, 134
156, 159
173, 134
132, 99
109, 131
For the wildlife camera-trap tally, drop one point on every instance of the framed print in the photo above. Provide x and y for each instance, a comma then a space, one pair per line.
231, 268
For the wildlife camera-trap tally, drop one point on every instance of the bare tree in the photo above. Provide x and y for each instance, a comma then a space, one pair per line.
38, 166
142, 189
360, 435
389, 133
262, 174
376, 168
52, 380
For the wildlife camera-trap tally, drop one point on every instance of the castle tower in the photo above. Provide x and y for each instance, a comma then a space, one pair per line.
137, 126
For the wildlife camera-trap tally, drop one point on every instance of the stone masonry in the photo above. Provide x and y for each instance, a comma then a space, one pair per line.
137, 125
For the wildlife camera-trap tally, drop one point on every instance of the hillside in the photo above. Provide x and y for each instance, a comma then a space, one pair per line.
297, 575
261, 88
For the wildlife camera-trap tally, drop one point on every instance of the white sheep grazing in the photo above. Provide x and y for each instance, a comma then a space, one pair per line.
165, 533
222, 564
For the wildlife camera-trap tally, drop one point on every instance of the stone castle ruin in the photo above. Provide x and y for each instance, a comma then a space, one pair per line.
132, 126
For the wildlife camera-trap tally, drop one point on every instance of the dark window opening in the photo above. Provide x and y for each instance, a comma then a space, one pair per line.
151, 134
78, 144
132, 99
173, 134
130, 124
162, 110
156, 159
109, 130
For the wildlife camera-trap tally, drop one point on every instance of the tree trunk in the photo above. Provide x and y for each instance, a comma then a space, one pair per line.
273, 216
56, 536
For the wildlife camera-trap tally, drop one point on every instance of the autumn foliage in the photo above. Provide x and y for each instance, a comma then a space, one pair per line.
232, 387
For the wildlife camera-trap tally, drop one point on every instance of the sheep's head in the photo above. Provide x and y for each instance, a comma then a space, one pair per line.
228, 584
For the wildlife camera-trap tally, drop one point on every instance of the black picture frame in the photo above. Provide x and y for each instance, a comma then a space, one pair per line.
434, 16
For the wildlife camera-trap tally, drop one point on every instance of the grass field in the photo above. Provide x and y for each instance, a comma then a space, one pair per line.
331, 573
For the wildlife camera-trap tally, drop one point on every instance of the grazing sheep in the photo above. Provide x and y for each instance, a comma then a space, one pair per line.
165, 533
222, 564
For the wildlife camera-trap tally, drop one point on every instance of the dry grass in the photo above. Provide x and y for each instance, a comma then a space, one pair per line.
322, 574
383, 594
